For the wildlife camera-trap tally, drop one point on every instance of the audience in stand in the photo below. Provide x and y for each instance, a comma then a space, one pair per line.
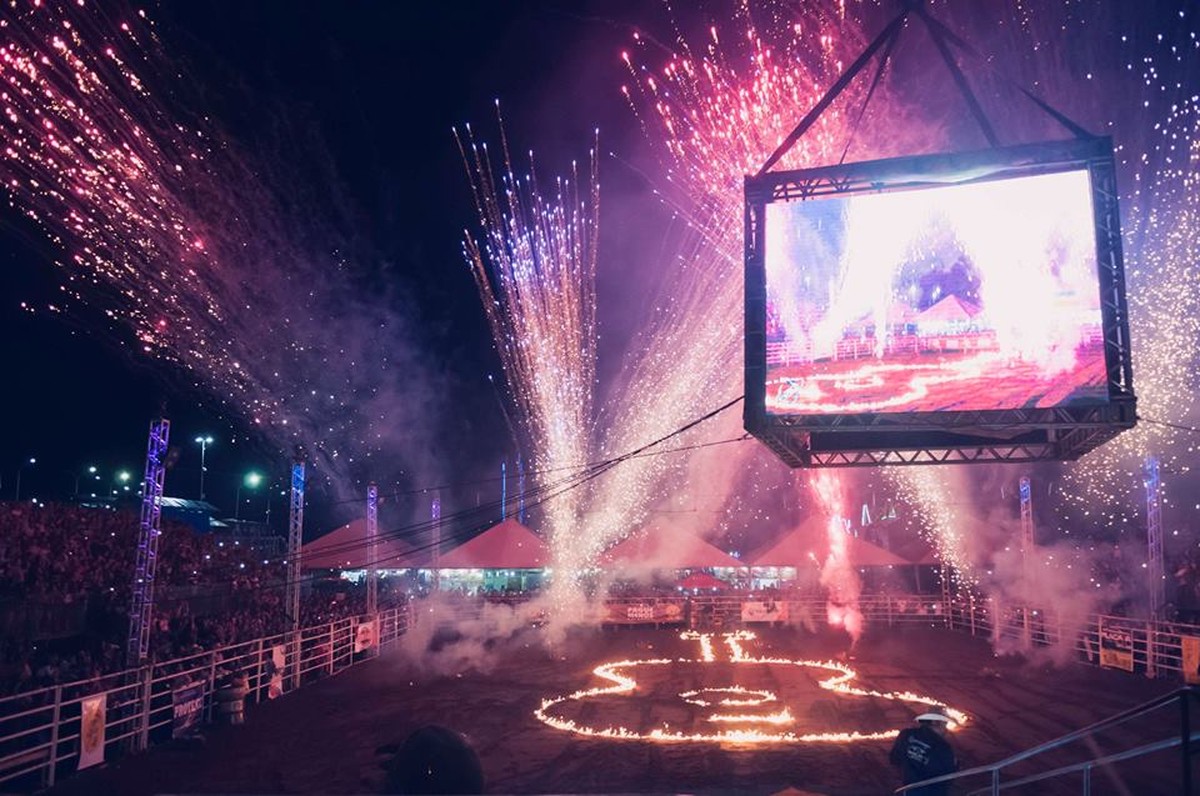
75, 563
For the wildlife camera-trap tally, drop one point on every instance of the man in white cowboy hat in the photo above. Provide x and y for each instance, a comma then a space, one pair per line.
922, 753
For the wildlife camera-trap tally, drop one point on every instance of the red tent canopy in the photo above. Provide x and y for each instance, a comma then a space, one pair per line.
919, 552
809, 544
508, 545
346, 548
667, 548
702, 580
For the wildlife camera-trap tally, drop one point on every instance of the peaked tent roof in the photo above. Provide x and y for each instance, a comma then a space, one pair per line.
702, 580
507, 545
950, 308
920, 552
809, 543
346, 548
667, 548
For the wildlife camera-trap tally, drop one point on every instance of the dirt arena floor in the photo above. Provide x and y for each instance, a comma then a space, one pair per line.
325, 738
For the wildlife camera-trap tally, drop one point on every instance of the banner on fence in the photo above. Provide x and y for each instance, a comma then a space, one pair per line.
365, 636
188, 707
1190, 646
764, 611
275, 666
640, 612
91, 731
668, 612
645, 612
1116, 645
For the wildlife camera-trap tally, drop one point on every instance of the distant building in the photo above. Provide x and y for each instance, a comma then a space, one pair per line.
199, 514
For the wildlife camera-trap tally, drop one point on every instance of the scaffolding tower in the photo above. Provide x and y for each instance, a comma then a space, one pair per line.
141, 611
372, 551
503, 490
520, 490
295, 540
1027, 543
435, 515
1154, 540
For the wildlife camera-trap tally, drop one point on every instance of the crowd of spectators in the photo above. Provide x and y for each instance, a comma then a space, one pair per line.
65, 578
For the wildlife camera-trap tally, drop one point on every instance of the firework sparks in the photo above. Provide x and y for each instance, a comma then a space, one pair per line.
536, 271
838, 576
166, 228
717, 119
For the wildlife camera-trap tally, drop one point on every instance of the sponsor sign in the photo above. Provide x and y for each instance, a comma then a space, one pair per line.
275, 665
764, 611
365, 636
187, 703
668, 612
91, 731
1116, 645
640, 612
635, 613
1190, 646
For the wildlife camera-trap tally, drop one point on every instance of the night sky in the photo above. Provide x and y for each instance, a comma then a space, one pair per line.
375, 89
355, 103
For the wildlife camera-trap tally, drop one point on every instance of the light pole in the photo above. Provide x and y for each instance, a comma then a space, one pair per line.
19, 469
91, 471
251, 481
123, 477
204, 442
269, 495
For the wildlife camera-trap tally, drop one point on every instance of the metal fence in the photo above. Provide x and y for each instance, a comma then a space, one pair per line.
1135, 645
41, 732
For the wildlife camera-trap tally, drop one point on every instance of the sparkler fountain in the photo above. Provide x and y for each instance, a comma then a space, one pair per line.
535, 269
838, 575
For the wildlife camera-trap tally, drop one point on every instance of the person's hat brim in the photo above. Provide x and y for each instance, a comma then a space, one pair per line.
934, 717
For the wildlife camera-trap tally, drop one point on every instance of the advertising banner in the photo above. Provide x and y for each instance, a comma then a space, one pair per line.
1190, 646
365, 636
1116, 645
188, 704
630, 613
91, 731
275, 666
764, 611
640, 612
668, 612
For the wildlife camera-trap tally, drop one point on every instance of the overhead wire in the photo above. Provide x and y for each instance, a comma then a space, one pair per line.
543, 494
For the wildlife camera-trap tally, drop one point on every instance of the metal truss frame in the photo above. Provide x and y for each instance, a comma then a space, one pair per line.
295, 542
372, 549
141, 612
948, 437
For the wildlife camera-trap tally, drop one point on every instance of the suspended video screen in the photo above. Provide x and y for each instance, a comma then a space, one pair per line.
956, 297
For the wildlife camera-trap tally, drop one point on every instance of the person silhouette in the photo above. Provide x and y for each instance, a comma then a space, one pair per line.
922, 753
434, 760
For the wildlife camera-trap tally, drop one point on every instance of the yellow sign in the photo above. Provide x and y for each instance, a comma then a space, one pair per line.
1116, 646
91, 732
1190, 654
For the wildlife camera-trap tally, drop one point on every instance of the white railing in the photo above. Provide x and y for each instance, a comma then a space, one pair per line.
1154, 648
40, 731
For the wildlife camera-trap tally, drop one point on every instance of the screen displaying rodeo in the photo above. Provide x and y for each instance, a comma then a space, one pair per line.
961, 297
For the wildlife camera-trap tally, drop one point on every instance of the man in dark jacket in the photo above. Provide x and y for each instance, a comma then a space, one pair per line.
922, 752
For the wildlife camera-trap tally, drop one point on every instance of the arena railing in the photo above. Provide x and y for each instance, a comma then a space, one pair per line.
41, 732
1148, 647
1185, 740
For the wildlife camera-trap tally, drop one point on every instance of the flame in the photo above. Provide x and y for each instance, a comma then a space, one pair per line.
839, 682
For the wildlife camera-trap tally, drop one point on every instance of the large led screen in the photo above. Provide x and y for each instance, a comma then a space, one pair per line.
963, 297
